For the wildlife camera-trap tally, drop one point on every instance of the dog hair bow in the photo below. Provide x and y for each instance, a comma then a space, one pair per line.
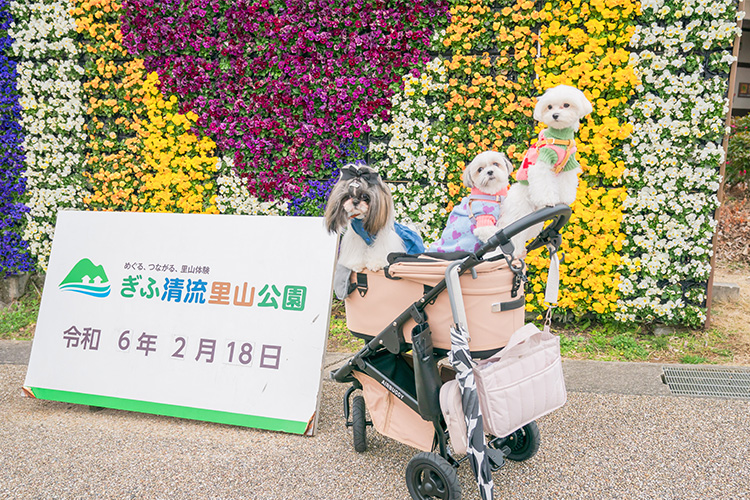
352, 172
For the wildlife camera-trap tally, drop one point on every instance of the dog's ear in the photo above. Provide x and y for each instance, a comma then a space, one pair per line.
584, 105
381, 208
468, 182
541, 103
469, 170
335, 215
506, 162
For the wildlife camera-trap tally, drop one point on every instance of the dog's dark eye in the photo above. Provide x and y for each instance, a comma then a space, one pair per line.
549, 107
366, 198
566, 105
480, 169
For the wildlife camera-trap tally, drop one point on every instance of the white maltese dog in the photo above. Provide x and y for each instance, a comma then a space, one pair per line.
472, 222
549, 173
361, 205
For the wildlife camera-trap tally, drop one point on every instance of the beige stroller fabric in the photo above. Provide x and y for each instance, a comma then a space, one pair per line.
393, 418
386, 299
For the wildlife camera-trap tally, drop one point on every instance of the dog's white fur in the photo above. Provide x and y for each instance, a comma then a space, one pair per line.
489, 172
370, 201
560, 107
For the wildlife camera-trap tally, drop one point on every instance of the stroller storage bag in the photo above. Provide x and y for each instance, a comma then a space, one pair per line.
516, 386
494, 312
393, 418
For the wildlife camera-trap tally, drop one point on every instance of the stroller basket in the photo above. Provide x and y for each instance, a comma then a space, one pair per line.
493, 299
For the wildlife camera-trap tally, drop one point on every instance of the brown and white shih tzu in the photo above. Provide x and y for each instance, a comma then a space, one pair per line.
472, 222
361, 205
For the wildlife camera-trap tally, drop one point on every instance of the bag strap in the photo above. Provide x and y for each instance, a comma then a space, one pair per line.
519, 337
552, 290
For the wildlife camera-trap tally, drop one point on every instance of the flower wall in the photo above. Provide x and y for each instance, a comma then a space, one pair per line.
52, 119
584, 43
251, 108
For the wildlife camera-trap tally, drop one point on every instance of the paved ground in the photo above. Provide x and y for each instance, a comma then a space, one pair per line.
621, 435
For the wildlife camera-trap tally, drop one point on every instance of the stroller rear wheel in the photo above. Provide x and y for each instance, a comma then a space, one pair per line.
429, 475
523, 444
359, 424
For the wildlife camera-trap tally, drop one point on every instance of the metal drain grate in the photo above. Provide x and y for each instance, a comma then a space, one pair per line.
713, 382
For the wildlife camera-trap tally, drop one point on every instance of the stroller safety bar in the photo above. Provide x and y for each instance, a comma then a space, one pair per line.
558, 214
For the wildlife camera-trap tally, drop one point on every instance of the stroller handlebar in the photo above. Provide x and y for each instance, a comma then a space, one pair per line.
558, 214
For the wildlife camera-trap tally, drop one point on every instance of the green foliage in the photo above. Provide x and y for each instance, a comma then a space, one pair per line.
693, 360
17, 321
738, 153
339, 337
615, 342
629, 347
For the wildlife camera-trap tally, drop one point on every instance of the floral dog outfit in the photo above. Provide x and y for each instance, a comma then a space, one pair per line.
476, 210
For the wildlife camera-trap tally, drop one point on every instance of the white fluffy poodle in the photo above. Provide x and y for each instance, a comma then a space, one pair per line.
549, 173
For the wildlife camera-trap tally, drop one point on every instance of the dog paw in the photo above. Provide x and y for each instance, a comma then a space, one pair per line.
484, 233
375, 266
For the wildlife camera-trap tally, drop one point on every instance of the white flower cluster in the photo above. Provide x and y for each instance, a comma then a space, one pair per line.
49, 83
43, 30
697, 34
414, 152
673, 159
662, 163
678, 113
685, 9
234, 197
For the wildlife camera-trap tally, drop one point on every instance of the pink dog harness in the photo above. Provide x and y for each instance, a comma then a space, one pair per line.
564, 148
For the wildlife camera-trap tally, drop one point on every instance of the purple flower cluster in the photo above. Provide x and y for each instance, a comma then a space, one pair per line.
282, 83
14, 255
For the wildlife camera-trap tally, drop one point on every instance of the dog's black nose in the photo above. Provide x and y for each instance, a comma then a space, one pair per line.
555, 116
490, 173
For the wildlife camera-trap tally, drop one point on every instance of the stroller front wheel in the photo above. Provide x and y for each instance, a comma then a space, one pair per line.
359, 424
429, 475
523, 443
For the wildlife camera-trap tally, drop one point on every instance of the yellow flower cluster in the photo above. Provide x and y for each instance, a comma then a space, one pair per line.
591, 246
584, 44
143, 155
97, 20
467, 25
180, 168
489, 76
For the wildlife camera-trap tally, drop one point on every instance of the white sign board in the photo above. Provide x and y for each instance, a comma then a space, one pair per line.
212, 317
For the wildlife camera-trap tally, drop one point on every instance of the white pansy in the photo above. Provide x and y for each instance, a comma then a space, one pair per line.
673, 158
49, 84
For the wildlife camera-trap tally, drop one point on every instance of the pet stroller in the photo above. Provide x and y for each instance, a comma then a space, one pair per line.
411, 315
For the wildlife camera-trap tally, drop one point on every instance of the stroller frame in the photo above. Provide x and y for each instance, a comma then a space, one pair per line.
426, 400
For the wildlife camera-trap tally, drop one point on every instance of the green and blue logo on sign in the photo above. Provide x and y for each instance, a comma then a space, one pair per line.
87, 278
